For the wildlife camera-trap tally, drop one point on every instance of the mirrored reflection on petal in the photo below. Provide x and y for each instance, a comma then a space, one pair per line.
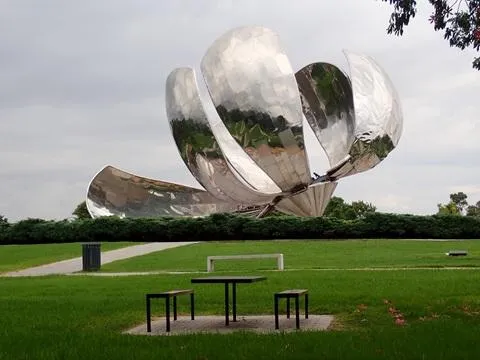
241, 164
327, 102
116, 192
254, 91
197, 144
378, 114
252, 159
378, 117
377, 104
312, 202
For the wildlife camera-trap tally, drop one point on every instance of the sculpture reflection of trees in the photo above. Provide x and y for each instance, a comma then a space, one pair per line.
334, 88
193, 137
252, 128
379, 146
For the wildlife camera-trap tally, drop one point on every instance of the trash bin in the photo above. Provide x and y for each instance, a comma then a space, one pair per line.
91, 256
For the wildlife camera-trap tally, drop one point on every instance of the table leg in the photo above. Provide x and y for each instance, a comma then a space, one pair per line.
288, 307
226, 305
234, 300
297, 312
174, 308
149, 323
306, 306
276, 311
192, 306
167, 312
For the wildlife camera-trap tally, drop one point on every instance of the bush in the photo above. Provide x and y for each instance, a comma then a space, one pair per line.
234, 227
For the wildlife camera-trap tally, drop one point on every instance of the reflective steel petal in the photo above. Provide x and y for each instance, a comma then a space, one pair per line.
327, 102
252, 159
309, 203
378, 116
253, 87
115, 192
198, 147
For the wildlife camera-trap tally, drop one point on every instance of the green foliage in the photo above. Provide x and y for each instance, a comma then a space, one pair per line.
474, 210
3, 224
338, 208
458, 19
458, 205
448, 209
81, 211
233, 227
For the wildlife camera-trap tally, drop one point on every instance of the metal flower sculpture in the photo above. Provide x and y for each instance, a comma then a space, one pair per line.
252, 157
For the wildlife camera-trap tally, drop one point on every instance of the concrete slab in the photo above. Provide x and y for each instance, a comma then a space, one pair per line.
263, 324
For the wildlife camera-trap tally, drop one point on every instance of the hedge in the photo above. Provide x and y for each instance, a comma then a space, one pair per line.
232, 227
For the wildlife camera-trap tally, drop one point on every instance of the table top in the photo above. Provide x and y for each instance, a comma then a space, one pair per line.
228, 279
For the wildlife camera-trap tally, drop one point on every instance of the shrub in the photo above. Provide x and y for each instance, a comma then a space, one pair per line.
236, 227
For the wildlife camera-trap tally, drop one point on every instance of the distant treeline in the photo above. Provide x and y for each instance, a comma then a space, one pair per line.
234, 227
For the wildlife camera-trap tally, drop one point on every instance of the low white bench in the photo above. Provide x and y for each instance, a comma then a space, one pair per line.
211, 259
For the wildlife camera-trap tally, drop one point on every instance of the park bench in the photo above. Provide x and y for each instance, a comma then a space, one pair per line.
457, 253
289, 294
211, 259
167, 295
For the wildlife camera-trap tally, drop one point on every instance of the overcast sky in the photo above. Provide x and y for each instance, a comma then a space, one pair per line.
82, 86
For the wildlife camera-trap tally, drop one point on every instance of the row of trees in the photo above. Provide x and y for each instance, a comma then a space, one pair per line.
219, 227
458, 205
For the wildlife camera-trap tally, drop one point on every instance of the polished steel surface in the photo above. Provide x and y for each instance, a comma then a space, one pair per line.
378, 116
308, 203
116, 192
327, 102
240, 163
254, 91
251, 159
197, 144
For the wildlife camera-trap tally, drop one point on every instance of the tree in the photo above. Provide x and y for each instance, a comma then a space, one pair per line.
456, 206
3, 220
361, 209
474, 210
458, 19
81, 211
338, 208
448, 209
460, 201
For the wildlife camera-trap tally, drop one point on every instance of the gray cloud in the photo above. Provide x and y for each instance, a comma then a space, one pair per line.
82, 85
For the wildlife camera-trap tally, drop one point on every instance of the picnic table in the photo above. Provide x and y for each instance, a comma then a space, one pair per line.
227, 280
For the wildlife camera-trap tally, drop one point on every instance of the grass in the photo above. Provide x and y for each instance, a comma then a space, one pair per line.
310, 254
81, 317
17, 257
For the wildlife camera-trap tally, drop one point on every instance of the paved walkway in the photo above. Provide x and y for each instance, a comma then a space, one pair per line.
74, 265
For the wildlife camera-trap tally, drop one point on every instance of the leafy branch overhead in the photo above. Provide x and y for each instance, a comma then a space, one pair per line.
458, 19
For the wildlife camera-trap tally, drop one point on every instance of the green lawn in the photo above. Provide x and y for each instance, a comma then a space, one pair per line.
16, 257
82, 317
308, 254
